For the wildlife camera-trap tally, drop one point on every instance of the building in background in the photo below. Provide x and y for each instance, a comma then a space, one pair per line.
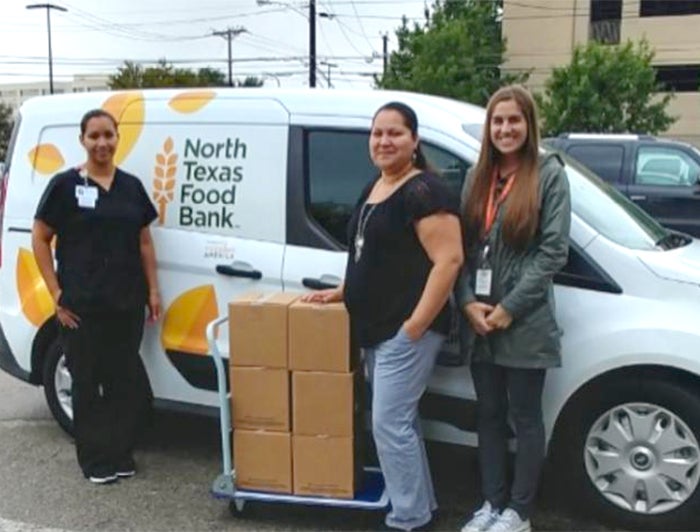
541, 34
14, 94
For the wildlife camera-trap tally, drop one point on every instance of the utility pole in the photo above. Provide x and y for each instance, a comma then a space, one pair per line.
328, 77
48, 8
385, 51
312, 43
229, 34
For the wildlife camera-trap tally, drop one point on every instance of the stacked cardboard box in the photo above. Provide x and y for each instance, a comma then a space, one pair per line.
326, 456
272, 338
259, 376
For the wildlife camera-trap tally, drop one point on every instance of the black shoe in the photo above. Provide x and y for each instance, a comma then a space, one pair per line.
126, 468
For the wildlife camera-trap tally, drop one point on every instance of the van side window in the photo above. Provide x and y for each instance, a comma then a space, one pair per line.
603, 159
665, 167
581, 272
339, 167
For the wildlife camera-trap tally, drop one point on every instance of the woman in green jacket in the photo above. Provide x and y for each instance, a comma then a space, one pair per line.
516, 214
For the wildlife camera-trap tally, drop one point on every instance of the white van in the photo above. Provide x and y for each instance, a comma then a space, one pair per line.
254, 189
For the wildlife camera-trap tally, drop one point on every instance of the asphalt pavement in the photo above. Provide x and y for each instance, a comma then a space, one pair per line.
42, 489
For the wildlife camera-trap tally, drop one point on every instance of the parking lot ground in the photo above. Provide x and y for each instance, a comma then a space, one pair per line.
41, 487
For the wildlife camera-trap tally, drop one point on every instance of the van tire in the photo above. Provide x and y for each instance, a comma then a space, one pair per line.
54, 371
668, 404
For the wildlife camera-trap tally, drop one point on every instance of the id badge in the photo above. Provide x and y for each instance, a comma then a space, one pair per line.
86, 196
482, 286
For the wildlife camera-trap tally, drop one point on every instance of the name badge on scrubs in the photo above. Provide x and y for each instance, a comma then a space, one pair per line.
482, 283
86, 196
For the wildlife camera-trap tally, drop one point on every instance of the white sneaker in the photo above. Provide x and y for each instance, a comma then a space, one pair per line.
510, 521
482, 519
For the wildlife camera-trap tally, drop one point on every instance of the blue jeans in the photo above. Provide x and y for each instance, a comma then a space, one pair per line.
398, 370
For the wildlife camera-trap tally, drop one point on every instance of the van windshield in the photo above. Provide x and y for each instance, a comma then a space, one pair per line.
610, 213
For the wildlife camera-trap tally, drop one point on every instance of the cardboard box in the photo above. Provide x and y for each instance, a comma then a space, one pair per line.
263, 460
319, 338
325, 466
258, 329
260, 398
324, 403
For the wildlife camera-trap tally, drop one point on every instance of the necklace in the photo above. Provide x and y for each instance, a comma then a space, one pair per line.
362, 220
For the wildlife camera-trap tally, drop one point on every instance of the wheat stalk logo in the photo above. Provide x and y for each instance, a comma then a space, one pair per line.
164, 180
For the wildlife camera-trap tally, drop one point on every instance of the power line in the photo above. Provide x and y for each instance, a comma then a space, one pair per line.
362, 28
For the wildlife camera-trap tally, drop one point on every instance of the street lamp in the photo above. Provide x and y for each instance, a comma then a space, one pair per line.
48, 8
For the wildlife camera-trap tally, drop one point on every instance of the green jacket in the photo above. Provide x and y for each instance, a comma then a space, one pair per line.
522, 281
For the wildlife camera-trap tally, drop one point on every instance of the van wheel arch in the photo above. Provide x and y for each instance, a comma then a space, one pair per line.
671, 391
43, 339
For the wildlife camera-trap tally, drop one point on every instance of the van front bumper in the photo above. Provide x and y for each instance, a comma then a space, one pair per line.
8, 363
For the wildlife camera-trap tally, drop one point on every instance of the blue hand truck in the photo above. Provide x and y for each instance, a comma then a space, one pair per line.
372, 495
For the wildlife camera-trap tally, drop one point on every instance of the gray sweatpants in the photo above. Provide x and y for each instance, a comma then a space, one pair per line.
398, 370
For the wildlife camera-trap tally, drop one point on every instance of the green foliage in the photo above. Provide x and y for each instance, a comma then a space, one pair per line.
250, 81
6, 122
133, 75
606, 89
456, 53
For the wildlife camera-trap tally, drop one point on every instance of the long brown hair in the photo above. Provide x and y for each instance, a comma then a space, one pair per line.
522, 205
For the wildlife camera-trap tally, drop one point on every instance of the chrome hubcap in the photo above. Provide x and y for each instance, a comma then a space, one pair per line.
642, 458
62, 383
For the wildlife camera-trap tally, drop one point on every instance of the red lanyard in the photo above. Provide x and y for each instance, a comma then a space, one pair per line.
493, 203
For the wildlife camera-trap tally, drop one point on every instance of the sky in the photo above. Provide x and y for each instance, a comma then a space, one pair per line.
95, 37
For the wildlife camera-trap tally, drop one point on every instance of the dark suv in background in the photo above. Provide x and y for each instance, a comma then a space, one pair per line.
662, 176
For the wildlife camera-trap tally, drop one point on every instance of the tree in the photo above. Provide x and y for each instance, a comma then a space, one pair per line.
211, 77
457, 52
133, 75
251, 81
6, 123
606, 89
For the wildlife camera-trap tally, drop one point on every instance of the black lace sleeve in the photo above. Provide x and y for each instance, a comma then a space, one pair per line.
425, 195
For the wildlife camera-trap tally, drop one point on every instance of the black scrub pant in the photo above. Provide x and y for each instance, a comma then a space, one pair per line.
500, 392
111, 394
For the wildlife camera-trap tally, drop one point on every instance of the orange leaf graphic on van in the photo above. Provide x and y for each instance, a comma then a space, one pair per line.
35, 300
164, 178
46, 159
129, 110
185, 321
191, 101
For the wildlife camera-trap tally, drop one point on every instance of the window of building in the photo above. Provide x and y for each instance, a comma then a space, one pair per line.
606, 10
605, 21
664, 8
679, 78
339, 167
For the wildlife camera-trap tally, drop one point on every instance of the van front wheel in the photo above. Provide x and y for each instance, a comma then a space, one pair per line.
57, 386
634, 455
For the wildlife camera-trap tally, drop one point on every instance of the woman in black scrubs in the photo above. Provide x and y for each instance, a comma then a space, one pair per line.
105, 275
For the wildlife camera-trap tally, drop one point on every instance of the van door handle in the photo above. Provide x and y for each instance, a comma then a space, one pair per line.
317, 284
638, 197
226, 269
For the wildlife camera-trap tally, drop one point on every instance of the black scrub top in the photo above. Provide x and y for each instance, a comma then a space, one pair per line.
98, 250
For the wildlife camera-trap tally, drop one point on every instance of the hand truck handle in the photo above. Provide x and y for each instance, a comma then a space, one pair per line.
224, 407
